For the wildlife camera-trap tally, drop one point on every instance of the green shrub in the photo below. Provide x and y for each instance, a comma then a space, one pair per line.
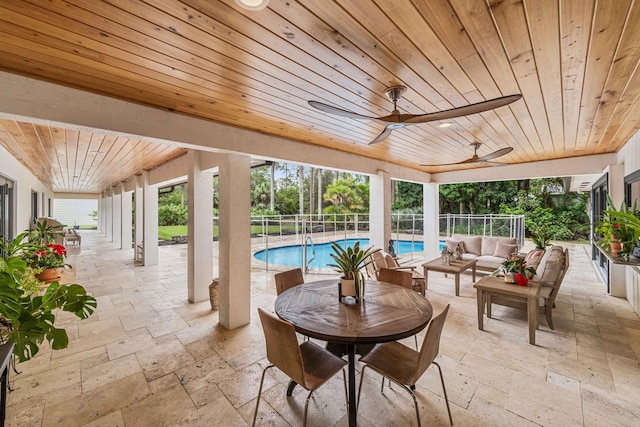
172, 215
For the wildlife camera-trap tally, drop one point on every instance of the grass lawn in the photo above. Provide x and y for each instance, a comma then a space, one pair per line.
165, 232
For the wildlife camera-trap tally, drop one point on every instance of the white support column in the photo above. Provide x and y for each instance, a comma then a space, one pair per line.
150, 221
109, 215
139, 216
617, 286
431, 209
117, 215
200, 243
126, 231
102, 207
380, 209
235, 241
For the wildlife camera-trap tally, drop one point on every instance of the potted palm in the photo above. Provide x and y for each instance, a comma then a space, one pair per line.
540, 237
350, 262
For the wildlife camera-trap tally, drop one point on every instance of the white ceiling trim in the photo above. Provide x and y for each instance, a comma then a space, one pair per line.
31, 100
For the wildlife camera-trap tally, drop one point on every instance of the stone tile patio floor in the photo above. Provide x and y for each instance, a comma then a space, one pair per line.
148, 358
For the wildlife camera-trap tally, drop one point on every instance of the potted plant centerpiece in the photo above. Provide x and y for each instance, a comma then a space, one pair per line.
516, 271
38, 249
350, 262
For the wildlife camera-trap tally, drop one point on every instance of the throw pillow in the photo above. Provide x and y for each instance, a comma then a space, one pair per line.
533, 258
504, 250
451, 245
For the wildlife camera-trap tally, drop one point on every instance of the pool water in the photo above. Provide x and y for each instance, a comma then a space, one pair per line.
292, 255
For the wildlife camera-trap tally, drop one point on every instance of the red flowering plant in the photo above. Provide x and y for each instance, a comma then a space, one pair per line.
50, 256
40, 252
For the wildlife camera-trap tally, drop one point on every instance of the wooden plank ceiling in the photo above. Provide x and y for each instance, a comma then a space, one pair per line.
574, 61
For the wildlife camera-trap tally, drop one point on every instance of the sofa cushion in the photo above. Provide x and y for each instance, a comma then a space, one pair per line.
489, 262
489, 244
504, 250
551, 266
473, 245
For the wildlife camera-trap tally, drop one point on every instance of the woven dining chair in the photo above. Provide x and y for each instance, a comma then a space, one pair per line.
404, 366
288, 279
308, 364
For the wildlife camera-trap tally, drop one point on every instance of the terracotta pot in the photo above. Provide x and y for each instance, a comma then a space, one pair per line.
49, 275
616, 247
348, 287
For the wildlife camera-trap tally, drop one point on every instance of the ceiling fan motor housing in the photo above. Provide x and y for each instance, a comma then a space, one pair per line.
394, 93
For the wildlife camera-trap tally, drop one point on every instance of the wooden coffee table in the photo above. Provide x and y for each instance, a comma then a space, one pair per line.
454, 267
511, 295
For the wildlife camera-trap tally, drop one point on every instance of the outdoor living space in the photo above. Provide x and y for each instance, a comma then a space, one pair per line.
149, 358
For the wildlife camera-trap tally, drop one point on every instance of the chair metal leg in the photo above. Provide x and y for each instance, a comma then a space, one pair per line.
444, 389
346, 392
255, 414
360, 386
306, 407
415, 337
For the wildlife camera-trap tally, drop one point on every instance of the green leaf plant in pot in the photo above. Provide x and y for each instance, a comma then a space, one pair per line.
350, 262
27, 314
619, 228
629, 229
540, 237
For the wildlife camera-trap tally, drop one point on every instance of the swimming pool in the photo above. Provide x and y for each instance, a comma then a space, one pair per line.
292, 255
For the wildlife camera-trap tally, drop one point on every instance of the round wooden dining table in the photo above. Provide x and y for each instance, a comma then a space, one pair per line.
387, 313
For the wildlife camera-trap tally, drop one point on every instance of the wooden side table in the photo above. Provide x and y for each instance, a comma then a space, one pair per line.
510, 295
455, 267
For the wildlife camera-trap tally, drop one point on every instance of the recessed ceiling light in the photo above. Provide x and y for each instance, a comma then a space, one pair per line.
445, 124
252, 4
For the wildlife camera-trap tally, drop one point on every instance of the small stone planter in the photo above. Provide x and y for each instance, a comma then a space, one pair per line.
213, 294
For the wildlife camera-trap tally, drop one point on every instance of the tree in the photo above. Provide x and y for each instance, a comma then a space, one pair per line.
408, 196
477, 197
562, 214
344, 196
260, 188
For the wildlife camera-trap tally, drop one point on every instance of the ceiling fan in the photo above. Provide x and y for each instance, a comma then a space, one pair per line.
485, 160
395, 120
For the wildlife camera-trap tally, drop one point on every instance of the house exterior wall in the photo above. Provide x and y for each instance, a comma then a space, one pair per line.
25, 182
630, 154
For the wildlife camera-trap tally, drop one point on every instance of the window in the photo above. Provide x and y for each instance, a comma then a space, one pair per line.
598, 204
6, 209
34, 206
632, 188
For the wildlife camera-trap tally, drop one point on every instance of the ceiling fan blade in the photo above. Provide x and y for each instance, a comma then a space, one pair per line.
471, 160
478, 107
338, 111
496, 154
383, 135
